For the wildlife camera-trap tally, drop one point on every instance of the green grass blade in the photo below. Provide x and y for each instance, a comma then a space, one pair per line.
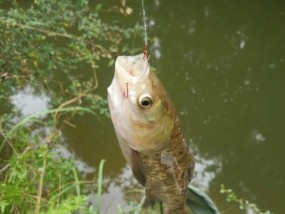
99, 184
77, 183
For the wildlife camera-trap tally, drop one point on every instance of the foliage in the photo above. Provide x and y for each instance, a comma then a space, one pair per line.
243, 204
41, 41
37, 178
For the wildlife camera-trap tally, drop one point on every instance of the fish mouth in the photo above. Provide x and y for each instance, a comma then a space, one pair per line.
132, 68
129, 71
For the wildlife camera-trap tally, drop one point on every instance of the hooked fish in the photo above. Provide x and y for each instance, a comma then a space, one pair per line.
149, 133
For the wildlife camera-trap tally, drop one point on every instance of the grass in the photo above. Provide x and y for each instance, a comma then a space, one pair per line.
36, 179
33, 177
99, 185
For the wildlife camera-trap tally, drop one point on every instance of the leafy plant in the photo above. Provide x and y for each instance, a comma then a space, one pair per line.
35, 177
41, 41
243, 204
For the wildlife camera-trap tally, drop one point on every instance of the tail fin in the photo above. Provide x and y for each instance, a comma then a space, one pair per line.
199, 202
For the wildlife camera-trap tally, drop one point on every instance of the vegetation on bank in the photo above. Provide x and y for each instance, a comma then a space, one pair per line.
232, 197
41, 41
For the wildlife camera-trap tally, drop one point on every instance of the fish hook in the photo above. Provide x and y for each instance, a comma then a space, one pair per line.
126, 94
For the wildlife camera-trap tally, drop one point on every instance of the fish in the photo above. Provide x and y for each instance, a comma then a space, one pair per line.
149, 133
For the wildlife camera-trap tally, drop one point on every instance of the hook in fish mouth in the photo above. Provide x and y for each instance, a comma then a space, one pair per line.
126, 94
129, 71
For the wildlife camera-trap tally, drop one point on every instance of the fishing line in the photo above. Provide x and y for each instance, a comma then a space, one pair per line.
142, 14
144, 23
135, 33
145, 53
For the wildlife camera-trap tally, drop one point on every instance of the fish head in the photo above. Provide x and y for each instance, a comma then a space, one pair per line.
140, 108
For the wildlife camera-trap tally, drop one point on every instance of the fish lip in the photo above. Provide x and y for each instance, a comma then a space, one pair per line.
122, 77
131, 68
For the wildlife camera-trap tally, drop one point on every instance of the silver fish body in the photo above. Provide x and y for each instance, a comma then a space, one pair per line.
149, 133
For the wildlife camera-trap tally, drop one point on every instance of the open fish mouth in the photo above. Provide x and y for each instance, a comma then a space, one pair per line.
129, 72
133, 67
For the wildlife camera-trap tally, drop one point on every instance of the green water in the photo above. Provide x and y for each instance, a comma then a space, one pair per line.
223, 63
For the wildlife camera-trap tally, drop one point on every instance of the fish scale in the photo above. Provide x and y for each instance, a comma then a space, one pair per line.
166, 177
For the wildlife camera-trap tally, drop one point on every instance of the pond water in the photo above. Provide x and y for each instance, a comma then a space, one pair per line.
223, 63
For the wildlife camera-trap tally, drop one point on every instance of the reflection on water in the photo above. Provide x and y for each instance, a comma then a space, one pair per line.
257, 137
83, 167
156, 49
118, 185
116, 192
27, 101
206, 170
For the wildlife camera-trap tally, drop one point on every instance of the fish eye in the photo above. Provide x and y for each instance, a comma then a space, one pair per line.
145, 101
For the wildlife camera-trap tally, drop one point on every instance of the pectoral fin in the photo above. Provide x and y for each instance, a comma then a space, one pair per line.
134, 161
137, 167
